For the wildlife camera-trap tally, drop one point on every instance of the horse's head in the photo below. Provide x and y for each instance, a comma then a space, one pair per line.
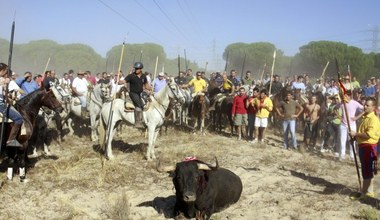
105, 91
50, 100
176, 92
61, 94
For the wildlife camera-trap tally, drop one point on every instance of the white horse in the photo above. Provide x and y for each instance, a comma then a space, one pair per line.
100, 95
153, 117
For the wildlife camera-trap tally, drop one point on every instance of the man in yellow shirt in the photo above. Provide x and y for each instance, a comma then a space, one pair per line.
368, 136
199, 86
263, 105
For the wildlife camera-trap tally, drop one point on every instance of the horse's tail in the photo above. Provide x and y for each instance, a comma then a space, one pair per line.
102, 132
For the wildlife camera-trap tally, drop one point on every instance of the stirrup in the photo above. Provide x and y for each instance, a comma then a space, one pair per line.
13, 143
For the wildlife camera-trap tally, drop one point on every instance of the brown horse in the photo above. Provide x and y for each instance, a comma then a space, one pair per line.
223, 113
198, 111
28, 107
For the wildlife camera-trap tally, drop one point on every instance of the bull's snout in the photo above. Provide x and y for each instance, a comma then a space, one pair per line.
189, 197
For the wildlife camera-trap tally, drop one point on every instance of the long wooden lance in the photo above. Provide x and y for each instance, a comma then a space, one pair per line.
9, 74
206, 66
324, 70
109, 128
271, 74
348, 122
225, 67
155, 69
141, 54
242, 67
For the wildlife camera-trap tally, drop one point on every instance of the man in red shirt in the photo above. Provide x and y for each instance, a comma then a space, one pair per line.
239, 112
251, 113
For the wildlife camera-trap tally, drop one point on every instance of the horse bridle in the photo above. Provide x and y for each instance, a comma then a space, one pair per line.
175, 95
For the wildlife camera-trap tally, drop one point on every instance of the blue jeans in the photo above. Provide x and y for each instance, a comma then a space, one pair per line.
289, 125
13, 113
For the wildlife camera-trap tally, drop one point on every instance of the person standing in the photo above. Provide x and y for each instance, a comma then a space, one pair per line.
239, 112
263, 104
247, 80
137, 83
312, 113
287, 110
27, 83
251, 113
80, 88
159, 82
353, 107
334, 115
367, 137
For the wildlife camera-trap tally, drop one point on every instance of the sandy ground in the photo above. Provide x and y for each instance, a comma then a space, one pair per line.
77, 183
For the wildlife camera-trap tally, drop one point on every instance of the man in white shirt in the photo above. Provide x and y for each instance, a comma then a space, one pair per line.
80, 88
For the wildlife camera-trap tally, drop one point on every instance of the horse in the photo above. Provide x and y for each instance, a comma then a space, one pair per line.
100, 95
29, 107
154, 118
223, 110
182, 109
198, 111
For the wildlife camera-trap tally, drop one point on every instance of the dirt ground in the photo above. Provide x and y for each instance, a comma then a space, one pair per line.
77, 183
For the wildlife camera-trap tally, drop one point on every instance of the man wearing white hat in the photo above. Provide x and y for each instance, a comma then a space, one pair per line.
159, 82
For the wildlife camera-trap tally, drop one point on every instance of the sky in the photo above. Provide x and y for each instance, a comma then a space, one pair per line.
202, 28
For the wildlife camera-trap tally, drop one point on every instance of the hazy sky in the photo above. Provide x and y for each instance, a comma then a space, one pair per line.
202, 27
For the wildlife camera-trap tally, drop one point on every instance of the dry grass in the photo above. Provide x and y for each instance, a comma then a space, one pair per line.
81, 184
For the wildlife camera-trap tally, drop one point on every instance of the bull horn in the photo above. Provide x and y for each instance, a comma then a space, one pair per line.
202, 166
214, 165
166, 169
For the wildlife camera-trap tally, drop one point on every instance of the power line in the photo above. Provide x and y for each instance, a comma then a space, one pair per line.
170, 20
130, 22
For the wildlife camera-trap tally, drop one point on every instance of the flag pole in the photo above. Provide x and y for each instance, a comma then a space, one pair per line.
343, 92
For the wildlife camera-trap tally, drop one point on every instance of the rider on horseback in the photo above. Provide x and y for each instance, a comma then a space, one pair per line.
137, 83
199, 86
227, 88
12, 113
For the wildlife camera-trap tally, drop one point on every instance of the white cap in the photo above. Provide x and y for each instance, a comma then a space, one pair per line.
161, 74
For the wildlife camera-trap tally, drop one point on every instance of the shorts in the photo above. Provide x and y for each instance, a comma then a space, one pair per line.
261, 122
241, 119
367, 161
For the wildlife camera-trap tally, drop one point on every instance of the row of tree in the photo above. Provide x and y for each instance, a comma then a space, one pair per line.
257, 57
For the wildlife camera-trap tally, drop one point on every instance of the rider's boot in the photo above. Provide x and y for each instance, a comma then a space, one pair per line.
139, 119
212, 105
12, 142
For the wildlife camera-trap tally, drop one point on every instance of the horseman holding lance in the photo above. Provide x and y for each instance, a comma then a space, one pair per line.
137, 83
13, 114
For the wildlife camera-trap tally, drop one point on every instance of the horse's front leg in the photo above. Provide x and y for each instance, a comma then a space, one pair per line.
109, 153
22, 154
152, 135
94, 124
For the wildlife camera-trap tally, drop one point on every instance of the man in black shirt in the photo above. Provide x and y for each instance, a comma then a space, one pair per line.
137, 83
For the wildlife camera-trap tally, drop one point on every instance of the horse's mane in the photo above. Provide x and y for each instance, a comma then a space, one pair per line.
26, 99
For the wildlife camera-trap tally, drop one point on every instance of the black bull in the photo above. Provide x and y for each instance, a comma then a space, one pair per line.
202, 189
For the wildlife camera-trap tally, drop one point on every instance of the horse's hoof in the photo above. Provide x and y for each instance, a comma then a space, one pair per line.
110, 157
23, 179
47, 153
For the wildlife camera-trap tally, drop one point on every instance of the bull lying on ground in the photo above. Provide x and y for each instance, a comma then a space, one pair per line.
202, 189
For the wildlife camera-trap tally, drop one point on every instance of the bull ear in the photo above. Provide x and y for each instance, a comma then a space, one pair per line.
161, 169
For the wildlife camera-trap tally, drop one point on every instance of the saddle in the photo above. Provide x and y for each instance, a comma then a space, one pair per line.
23, 129
130, 107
